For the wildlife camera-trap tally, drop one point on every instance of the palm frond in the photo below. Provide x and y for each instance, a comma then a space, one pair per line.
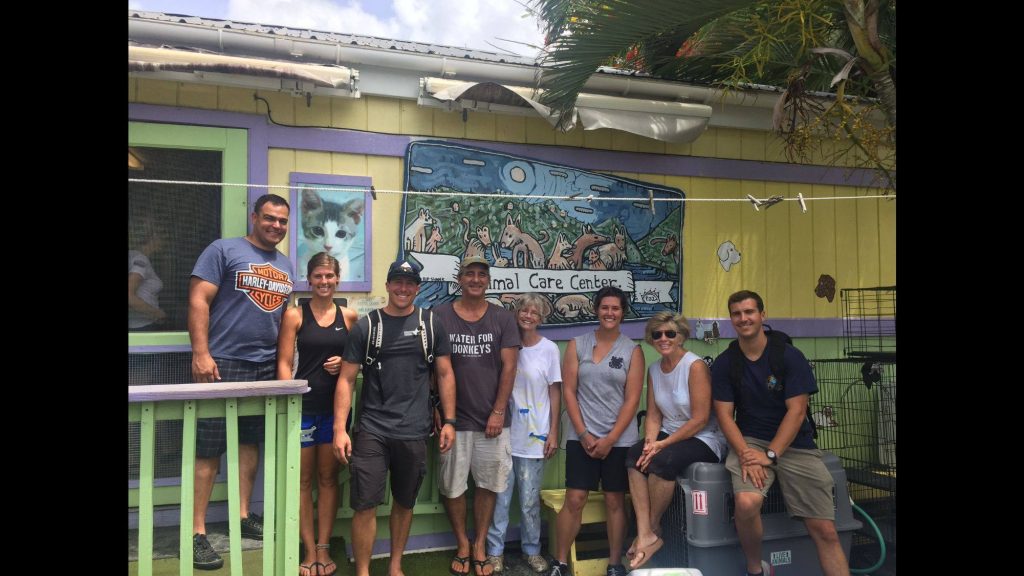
583, 34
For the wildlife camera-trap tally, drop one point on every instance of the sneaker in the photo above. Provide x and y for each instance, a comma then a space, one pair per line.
204, 557
498, 562
252, 527
537, 562
616, 570
766, 569
559, 569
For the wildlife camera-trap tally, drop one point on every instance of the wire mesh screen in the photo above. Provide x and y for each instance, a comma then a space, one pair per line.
869, 321
158, 368
855, 412
163, 254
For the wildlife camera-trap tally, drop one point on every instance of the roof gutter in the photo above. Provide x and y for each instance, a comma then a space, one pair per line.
307, 50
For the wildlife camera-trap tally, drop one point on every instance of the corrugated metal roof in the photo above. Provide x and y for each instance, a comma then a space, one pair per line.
337, 37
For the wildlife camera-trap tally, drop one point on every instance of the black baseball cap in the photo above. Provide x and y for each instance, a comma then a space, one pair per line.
403, 269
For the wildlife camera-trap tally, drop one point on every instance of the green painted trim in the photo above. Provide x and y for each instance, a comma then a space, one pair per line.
269, 485
291, 481
233, 143
147, 443
233, 474
186, 495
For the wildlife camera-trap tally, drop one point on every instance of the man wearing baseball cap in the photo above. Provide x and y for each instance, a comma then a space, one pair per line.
484, 351
392, 347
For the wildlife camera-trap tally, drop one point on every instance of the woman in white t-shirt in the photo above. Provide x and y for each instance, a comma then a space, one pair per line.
680, 429
535, 405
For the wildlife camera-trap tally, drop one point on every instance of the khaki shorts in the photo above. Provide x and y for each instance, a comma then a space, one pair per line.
805, 482
490, 460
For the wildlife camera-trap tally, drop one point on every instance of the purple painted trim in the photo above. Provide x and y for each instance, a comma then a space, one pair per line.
258, 142
158, 392
647, 163
296, 178
341, 140
795, 327
162, 348
356, 142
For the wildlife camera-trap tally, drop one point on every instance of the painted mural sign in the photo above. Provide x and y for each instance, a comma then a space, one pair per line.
565, 249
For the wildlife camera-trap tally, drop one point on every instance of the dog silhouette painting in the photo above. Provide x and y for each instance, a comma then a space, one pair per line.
826, 287
728, 255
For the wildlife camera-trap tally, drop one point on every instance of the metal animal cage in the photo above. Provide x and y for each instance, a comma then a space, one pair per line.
855, 413
869, 322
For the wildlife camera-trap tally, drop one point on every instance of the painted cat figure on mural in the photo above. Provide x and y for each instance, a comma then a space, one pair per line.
329, 226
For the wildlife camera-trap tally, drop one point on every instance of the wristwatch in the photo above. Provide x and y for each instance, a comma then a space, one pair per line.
448, 421
499, 412
772, 456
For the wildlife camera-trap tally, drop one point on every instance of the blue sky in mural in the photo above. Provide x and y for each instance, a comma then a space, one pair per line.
491, 25
564, 248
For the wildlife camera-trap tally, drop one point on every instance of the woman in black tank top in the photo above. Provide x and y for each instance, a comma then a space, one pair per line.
319, 329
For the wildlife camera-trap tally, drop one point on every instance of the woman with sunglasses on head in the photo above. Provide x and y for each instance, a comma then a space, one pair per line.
680, 429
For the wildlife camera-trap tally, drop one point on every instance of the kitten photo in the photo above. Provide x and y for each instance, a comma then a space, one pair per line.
332, 227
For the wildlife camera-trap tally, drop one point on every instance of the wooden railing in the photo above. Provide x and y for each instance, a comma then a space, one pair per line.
280, 401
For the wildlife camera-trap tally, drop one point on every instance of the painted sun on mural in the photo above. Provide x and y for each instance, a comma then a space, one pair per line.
565, 249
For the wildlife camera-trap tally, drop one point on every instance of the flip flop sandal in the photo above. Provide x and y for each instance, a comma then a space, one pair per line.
479, 565
644, 553
307, 567
328, 564
463, 560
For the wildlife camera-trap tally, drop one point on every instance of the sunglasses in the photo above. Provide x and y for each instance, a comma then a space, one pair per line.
657, 334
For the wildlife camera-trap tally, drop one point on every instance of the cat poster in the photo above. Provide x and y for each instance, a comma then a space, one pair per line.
331, 214
544, 227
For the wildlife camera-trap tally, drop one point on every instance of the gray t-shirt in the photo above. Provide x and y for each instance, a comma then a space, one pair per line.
476, 360
253, 287
601, 388
395, 399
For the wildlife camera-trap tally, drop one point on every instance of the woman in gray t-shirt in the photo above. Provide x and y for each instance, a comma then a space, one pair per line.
602, 376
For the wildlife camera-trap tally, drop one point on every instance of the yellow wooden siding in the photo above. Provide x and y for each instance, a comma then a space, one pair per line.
236, 99
868, 248
415, 119
887, 241
752, 269
348, 113
571, 138
625, 142
481, 126
678, 149
847, 273
282, 106
784, 250
316, 113
801, 255
824, 244
728, 143
776, 242
382, 115
600, 138
510, 128
197, 96
700, 260
448, 124
157, 92
775, 148
650, 145
539, 131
